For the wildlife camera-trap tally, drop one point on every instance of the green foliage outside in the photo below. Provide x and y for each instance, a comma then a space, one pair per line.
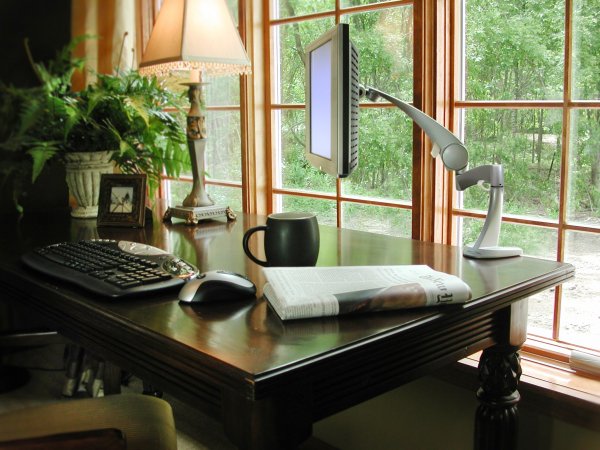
384, 41
514, 51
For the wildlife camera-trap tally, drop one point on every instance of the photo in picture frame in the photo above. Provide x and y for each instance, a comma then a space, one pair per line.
122, 201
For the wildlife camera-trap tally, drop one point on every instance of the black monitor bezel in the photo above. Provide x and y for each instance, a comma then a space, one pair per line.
344, 126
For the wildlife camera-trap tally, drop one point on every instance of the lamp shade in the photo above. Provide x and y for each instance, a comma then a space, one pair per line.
195, 35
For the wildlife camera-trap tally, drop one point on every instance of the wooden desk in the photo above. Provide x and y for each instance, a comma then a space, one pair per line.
268, 381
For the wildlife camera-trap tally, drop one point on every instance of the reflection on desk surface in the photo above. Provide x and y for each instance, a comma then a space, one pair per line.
231, 332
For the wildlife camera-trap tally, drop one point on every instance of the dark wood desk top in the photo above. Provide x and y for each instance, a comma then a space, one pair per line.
200, 351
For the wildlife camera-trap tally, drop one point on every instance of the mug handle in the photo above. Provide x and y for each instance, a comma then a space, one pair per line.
247, 235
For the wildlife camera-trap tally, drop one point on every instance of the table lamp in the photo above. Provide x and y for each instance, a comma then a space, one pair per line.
195, 36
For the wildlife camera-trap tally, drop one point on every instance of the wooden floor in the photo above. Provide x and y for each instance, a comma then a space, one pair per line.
195, 431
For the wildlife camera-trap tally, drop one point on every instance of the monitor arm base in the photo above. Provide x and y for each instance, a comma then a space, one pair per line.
491, 252
455, 157
486, 246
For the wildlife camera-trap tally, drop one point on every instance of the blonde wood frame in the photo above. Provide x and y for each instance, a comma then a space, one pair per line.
435, 92
540, 345
419, 154
432, 184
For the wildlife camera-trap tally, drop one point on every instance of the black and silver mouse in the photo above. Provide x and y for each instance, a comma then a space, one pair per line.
217, 285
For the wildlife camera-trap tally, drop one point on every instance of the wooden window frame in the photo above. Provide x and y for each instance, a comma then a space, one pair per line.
552, 347
435, 92
433, 206
338, 196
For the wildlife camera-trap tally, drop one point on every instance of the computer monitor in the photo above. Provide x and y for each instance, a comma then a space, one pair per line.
332, 96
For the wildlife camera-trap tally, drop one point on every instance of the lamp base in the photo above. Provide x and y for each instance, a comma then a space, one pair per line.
194, 214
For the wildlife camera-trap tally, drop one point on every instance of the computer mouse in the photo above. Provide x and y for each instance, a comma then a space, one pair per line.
217, 285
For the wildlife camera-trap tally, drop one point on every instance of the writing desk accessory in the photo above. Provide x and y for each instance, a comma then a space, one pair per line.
215, 286
111, 268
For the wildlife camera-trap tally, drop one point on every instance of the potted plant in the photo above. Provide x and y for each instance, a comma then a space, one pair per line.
120, 120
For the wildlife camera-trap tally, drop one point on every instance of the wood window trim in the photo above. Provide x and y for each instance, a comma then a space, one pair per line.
269, 107
561, 224
250, 174
267, 112
432, 184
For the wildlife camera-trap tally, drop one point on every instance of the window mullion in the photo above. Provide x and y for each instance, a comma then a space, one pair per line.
564, 168
432, 68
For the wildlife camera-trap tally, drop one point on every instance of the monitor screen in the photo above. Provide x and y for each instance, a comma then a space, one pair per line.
332, 94
320, 101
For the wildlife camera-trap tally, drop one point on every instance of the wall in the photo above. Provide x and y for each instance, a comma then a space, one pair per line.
47, 25
429, 414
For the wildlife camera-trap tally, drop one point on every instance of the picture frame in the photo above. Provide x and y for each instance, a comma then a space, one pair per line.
122, 200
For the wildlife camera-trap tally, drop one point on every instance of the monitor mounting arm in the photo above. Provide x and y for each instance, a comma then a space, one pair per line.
455, 157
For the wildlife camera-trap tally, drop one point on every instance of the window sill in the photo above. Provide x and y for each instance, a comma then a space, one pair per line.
547, 386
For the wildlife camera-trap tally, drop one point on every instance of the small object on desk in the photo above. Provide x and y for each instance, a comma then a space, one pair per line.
121, 201
111, 268
291, 239
303, 292
217, 285
192, 215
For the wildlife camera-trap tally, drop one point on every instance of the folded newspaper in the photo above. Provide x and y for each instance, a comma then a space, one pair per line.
302, 292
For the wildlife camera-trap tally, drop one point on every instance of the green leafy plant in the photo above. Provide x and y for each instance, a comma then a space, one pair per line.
124, 113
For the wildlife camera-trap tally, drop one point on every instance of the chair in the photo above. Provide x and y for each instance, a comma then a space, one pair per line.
126, 421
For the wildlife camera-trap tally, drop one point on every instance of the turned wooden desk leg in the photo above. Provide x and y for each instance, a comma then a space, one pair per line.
496, 421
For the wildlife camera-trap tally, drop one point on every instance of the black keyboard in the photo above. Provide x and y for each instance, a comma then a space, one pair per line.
111, 268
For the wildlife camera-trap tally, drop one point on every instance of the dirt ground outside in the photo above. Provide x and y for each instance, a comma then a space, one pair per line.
580, 309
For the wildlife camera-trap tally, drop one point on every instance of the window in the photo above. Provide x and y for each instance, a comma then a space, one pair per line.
519, 83
528, 96
378, 195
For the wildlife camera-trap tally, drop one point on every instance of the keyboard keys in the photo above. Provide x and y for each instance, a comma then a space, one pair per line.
100, 274
101, 266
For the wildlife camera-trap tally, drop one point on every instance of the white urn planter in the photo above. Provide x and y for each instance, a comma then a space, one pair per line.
83, 178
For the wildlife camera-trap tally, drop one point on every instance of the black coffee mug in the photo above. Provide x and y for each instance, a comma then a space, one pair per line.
291, 239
